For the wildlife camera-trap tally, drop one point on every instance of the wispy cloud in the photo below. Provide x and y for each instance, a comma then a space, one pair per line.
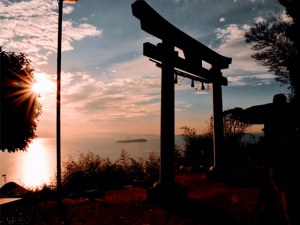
253, 80
259, 19
243, 70
262, 1
233, 45
31, 27
97, 101
89, 100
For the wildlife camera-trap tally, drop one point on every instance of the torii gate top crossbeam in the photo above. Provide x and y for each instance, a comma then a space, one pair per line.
156, 25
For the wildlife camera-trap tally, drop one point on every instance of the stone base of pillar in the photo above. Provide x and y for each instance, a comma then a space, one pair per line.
162, 194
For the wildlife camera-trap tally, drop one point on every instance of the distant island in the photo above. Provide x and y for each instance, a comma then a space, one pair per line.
132, 140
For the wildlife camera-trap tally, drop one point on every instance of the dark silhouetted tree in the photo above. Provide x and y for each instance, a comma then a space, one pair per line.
198, 152
233, 128
198, 149
19, 105
277, 43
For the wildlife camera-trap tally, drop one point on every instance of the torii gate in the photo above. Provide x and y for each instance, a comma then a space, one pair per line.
190, 67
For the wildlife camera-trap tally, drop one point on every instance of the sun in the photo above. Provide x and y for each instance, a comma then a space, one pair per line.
42, 84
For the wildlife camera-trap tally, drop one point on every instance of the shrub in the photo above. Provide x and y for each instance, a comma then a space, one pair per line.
151, 166
91, 171
198, 152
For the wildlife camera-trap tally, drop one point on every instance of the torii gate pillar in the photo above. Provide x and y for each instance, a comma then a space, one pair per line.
166, 190
167, 118
218, 119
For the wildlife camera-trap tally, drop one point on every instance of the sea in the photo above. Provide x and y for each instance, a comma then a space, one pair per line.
37, 165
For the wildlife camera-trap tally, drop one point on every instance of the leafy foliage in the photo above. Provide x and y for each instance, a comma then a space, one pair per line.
178, 158
19, 105
91, 171
198, 152
151, 166
274, 48
277, 44
234, 129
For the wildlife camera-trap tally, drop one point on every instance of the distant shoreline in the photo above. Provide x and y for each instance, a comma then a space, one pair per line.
131, 141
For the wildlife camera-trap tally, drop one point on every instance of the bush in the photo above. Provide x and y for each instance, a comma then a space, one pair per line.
198, 152
91, 171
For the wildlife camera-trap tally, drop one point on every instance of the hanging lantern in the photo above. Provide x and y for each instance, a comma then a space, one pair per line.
202, 87
175, 81
192, 84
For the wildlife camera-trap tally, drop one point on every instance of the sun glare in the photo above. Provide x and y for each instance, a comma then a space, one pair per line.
35, 166
42, 84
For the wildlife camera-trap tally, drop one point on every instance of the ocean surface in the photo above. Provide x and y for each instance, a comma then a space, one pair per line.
38, 165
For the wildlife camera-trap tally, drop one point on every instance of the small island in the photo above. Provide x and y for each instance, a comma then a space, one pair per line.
132, 140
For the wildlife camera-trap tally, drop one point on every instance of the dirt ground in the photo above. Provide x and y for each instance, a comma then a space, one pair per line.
209, 202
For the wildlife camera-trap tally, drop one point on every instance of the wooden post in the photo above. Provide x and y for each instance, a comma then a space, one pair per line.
166, 173
58, 141
218, 118
167, 191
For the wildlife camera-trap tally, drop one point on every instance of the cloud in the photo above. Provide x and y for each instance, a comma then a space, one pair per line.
222, 19
130, 97
259, 19
88, 100
233, 45
31, 27
252, 80
231, 33
92, 101
262, 1
285, 17
243, 70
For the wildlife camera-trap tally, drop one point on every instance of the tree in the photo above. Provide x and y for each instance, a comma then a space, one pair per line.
277, 43
198, 151
19, 105
233, 128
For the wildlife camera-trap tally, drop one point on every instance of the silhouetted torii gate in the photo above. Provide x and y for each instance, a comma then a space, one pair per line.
190, 67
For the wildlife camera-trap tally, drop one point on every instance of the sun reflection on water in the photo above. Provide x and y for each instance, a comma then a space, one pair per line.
36, 165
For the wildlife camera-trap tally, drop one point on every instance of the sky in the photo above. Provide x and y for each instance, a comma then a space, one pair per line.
107, 83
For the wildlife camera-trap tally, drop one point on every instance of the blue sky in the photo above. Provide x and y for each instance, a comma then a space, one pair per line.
108, 85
